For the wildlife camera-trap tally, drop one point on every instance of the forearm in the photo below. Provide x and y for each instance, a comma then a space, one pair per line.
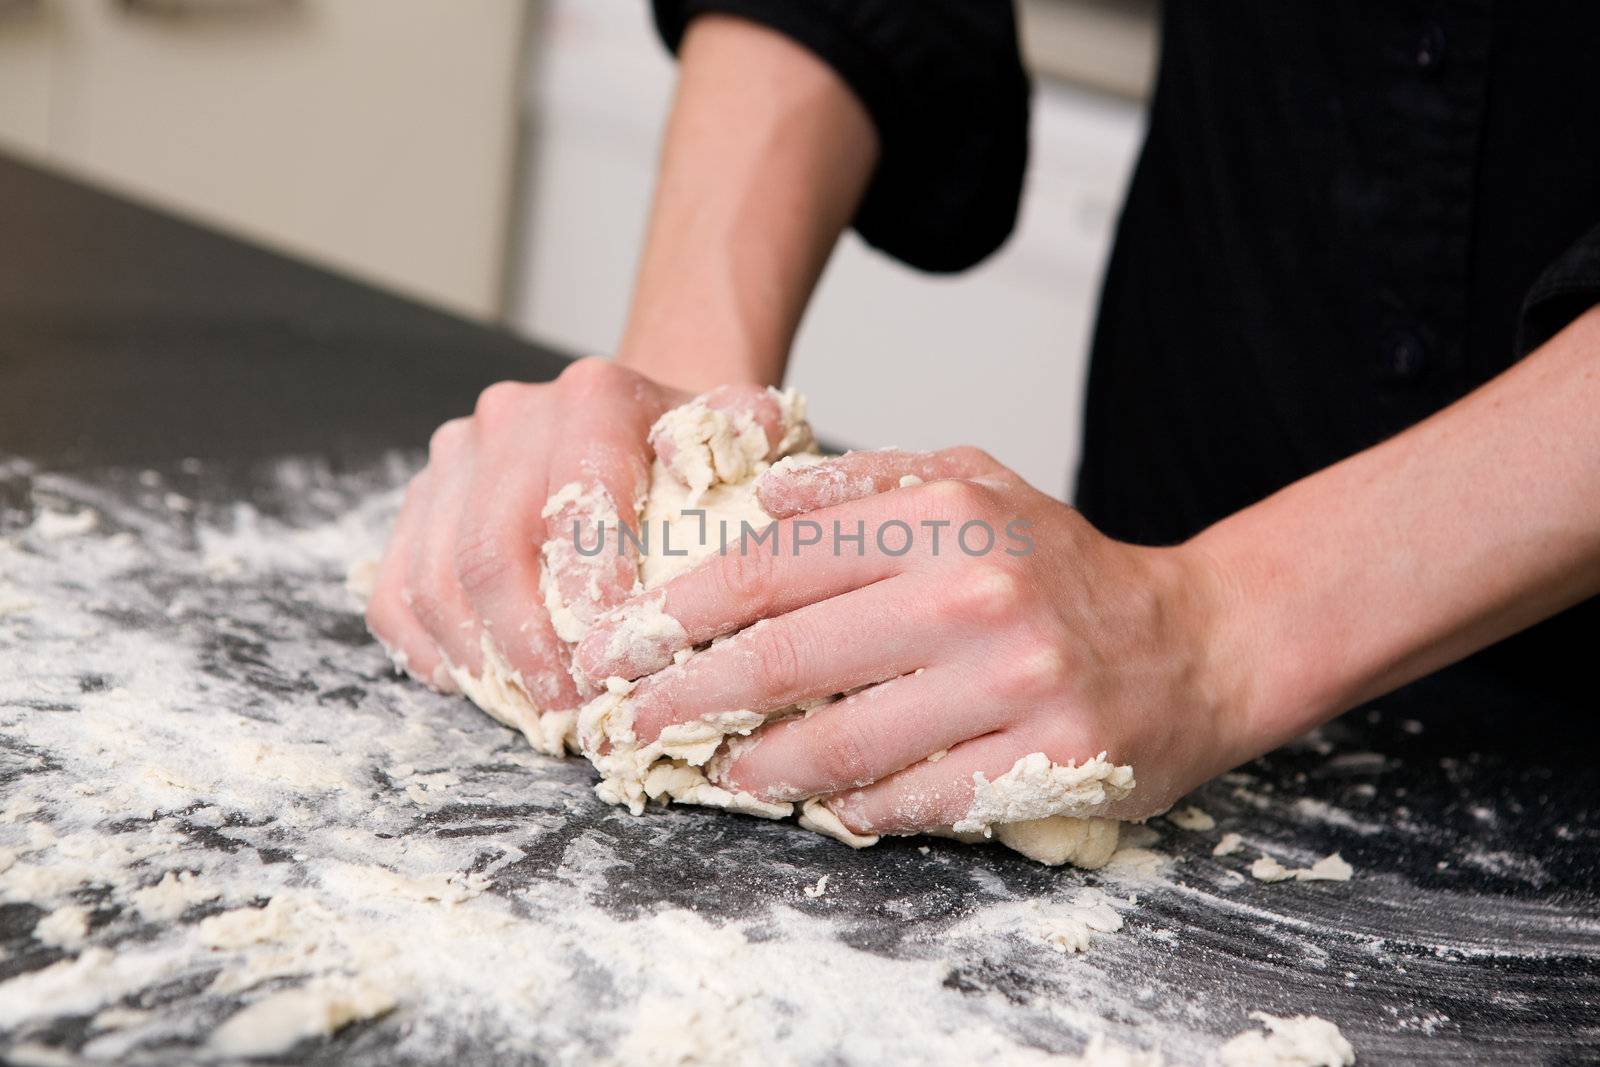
1468, 527
766, 156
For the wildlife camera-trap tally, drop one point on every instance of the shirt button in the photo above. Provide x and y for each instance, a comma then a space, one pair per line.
1430, 48
1405, 356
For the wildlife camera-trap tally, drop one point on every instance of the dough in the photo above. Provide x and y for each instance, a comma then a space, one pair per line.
1300, 1041
1332, 868
701, 504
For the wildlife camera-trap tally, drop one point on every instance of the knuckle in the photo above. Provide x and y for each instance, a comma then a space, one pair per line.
956, 499
1038, 672
778, 658
498, 401
480, 559
984, 592
844, 755
592, 375
1064, 738
447, 439
971, 457
744, 576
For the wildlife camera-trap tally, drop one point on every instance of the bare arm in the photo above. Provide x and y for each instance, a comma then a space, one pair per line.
1181, 661
765, 160
1470, 526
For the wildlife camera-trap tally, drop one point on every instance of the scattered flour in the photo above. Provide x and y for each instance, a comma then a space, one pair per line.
279, 1021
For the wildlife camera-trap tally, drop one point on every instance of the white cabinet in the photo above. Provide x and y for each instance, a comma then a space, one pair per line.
377, 136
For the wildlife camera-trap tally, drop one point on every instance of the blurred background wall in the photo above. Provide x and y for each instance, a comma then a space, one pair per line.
496, 157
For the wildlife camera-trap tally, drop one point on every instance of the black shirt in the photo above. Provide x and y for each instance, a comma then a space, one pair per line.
1345, 217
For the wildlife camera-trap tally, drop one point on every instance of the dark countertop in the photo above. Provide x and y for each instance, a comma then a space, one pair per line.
162, 377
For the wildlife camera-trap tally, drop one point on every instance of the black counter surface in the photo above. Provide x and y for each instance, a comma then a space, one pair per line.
161, 376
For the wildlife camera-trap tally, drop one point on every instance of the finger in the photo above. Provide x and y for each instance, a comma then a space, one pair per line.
497, 566
599, 474
822, 649
792, 488
864, 737
389, 619
433, 589
927, 795
759, 576
741, 405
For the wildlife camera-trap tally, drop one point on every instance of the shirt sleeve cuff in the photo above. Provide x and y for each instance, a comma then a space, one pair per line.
1568, 287
944, 85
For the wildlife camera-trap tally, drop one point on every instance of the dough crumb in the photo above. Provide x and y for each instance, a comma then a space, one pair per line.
1267, 869
1300, 1041
1191, 818
815, 891
1331, 868
1230, 843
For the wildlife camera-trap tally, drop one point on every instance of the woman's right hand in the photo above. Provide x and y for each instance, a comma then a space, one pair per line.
463, 564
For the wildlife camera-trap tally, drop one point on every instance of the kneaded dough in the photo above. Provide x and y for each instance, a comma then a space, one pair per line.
699, 505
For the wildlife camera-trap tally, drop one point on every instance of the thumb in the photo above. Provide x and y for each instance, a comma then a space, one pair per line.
598, 479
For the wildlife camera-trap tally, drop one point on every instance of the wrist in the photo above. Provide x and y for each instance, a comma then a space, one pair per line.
1226, 650
1269, 657
695, 364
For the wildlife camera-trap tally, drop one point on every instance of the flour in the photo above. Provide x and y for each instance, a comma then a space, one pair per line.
1101, 1053
169, 898
276, 1023
66, 927
1091, 912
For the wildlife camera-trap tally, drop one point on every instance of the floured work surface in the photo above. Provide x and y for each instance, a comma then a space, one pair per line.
227, 830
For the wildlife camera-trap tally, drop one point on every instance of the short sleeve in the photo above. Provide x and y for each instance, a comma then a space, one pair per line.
944, 84
1567, 288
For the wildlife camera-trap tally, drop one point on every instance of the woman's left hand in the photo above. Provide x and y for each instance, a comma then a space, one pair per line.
1008, 626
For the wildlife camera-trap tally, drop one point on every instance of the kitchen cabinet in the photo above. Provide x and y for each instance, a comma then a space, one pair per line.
376, 136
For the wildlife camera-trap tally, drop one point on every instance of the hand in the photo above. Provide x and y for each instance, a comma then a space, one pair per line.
462, 569
1055, 639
